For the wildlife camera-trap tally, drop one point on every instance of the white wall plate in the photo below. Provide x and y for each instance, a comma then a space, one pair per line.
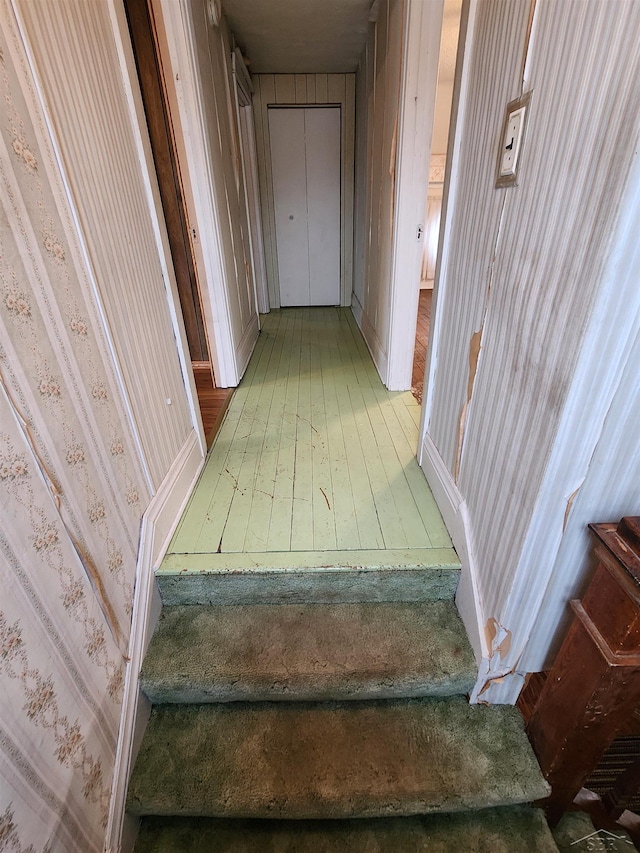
512, 140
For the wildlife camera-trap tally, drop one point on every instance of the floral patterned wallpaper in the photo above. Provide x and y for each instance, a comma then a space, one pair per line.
72, 492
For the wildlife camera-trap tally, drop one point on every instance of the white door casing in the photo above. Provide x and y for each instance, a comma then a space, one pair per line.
247, 139
421, 50
201, 110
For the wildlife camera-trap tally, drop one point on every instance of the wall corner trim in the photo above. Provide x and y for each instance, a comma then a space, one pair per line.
357, 309
203, 207
456, 517
375, 346
158, 524
419, 76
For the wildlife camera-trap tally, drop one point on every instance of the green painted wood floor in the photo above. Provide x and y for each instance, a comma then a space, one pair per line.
314, 456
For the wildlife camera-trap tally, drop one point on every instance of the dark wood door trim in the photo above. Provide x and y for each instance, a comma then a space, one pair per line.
142, 30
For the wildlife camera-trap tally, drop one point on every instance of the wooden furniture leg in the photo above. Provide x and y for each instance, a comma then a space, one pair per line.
594, 685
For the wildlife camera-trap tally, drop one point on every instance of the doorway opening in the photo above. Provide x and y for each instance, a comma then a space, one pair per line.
439, 142
212, 401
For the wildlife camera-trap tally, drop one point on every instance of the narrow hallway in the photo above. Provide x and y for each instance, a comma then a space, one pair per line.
309, 672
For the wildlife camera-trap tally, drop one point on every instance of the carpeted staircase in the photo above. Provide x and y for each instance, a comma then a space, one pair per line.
575, 832
321, 724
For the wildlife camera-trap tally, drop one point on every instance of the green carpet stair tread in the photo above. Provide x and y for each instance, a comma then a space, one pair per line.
575, 832
333, 760
308, 652
514, 829
320, 577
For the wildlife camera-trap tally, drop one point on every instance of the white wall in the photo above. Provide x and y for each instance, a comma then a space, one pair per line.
446, 73
378, 90
606, 486
526, 307
96, 409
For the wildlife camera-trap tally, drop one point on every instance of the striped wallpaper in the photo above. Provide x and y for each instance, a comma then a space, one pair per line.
93, 412
526, 265
77, 66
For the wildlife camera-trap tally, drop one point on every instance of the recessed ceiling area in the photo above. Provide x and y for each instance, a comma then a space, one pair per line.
300, 36
449, 40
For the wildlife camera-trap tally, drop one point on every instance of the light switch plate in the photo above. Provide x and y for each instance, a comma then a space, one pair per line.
214, 10
511, 141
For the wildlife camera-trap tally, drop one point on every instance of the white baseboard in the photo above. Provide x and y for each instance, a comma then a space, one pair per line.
356, 309
158, 524
246, 347
456, 517
370, 336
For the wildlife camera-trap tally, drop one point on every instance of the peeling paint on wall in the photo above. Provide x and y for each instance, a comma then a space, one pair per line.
570, 501
474, 353
527, 45
392, 175
492, 671
475, 346
498, 637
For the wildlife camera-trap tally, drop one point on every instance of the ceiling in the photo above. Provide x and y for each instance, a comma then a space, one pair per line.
300, 36
449, 40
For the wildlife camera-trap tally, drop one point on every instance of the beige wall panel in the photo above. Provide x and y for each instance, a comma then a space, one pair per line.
336, 91
311, 88
301, 89
363, 88
78, 67
377, 113
285, 88
349, 139
322, 88
264, 94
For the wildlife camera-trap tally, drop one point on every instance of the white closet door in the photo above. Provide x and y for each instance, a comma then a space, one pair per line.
322, 141
305, 162
290, 201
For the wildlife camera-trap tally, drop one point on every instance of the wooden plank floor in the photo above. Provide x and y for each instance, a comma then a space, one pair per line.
314, 456
422, 339
213, 401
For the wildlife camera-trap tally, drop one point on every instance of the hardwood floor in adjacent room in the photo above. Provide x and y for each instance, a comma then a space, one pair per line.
213, 401
422, 339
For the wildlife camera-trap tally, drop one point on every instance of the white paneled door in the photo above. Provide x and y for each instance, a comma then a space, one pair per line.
305, 163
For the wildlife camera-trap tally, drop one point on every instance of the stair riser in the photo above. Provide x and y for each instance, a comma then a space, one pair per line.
359, 691
516, 830
324, 586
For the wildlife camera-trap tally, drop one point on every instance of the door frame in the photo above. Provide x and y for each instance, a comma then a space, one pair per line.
306, 90
173, 21
246, 132
130, 81
449, 499
421, 52
162, 139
